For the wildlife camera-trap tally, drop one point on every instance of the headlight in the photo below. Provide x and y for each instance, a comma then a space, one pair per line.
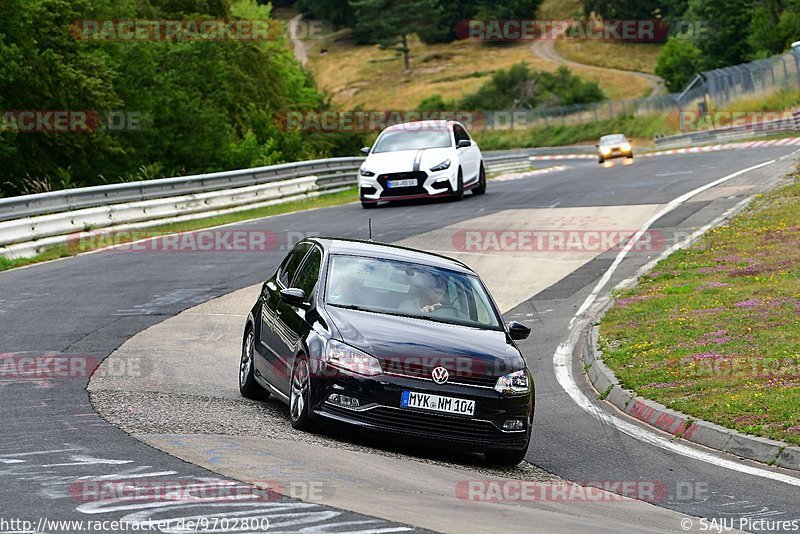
442, 166
625, 147
352, 359
512, 383
365, 172
605, 150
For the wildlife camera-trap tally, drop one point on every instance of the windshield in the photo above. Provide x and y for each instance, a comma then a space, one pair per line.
412, 140
409, 289
613, 139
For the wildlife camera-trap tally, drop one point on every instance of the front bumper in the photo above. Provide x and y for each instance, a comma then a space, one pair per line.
429, 185
380, 411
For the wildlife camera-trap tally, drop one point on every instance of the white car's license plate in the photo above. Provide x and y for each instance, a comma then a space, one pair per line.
436, 403
401, 183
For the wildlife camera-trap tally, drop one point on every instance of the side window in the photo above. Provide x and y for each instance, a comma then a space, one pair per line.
291, 263
309, 273
460, 133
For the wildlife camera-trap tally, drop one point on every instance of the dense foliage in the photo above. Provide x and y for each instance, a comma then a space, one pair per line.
209, 104
523, 88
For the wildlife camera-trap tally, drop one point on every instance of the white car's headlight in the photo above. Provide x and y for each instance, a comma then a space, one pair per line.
342, 355
605, 150
513, 383
625, 147
442, 166
365, 172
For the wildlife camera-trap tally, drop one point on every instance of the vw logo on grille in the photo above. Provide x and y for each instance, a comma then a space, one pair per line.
440, 375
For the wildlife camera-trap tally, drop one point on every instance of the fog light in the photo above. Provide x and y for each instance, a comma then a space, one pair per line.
343, 400
514, 424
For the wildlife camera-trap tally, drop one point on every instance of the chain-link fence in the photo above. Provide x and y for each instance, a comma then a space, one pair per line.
718, 87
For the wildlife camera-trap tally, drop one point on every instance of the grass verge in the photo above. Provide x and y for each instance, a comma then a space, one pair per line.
640, 130
639, 57
714, 330
65, 250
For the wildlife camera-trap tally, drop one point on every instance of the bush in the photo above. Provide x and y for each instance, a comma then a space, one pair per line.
521, 87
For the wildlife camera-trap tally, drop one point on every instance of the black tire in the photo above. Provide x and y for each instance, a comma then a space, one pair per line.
602, 160
481, 187
504, 457
248, 386
369, 205
299, 399
630, 156
459, 194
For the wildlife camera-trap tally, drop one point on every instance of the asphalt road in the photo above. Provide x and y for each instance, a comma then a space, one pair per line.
83, 308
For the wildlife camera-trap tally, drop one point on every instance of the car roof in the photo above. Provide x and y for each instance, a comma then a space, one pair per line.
371, 249
613, 136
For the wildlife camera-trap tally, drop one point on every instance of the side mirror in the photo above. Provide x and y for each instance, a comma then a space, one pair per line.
518, 330
464, 143
365, 150
294, 297
597, 146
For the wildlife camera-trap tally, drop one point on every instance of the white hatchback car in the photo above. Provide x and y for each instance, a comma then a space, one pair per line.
425, 159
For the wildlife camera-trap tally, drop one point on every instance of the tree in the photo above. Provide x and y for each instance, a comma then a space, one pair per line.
723, 44
624, 9
391, 22
338, 12
678, 62
774, 26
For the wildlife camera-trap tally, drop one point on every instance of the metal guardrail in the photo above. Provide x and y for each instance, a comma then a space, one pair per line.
30, 223
328, 170
732, 133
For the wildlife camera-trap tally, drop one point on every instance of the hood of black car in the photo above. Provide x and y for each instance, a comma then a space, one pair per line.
406, 345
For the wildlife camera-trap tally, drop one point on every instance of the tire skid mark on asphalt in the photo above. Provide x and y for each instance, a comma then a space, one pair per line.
562, 358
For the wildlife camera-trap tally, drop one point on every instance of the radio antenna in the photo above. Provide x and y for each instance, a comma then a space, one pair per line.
370, 228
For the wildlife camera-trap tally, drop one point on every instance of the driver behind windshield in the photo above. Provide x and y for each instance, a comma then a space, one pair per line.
427, 293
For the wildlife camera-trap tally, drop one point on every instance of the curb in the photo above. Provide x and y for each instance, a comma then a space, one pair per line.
680, 425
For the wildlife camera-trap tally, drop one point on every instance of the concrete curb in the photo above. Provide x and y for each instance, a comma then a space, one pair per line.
681, 426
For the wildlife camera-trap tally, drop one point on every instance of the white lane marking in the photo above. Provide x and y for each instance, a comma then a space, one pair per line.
127, 477
666, 209
562, 359
675, 173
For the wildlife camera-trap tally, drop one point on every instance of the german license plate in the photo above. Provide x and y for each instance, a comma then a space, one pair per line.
392, 184
437, 403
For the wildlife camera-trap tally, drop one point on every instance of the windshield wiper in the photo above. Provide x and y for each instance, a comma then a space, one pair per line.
348, 307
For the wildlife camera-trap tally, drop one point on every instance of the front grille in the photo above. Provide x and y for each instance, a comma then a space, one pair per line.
414, 422
475, 377
419, 176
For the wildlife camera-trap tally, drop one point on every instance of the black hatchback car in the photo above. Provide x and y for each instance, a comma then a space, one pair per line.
390, 339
